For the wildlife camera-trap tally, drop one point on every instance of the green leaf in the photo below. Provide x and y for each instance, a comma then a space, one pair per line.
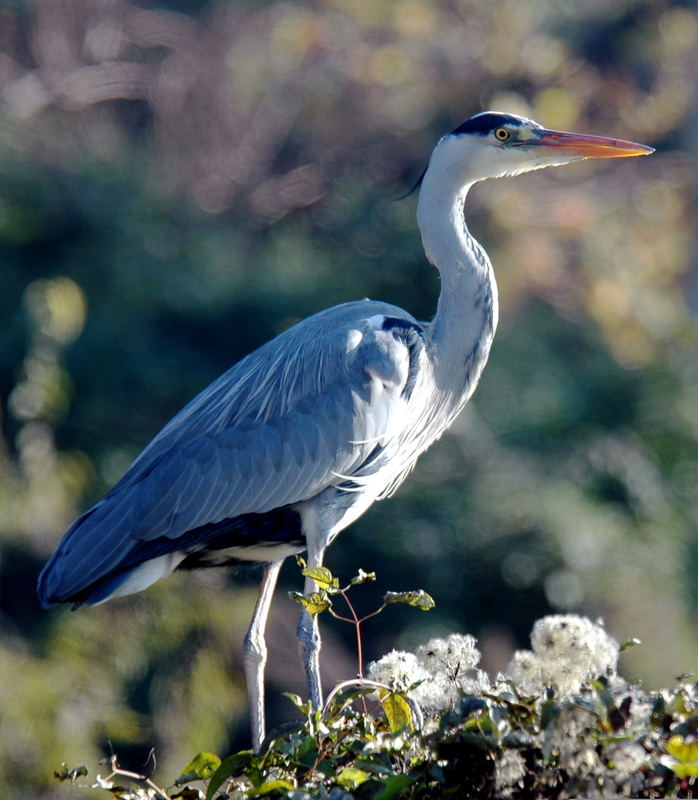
683, 751
658, 713
516, 739
393, 786
549, 712
629, 644
398, 712
362, 577
376, 767
297, 702
418, 599
313, 603
201, 767
228, 769
351, 777
270, 786
347, 696
684, 771
322, 576
688, 728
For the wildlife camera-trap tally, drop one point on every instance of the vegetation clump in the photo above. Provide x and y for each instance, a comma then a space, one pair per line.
559, 723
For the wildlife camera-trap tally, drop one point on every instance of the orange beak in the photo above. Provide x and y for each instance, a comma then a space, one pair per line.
580, 144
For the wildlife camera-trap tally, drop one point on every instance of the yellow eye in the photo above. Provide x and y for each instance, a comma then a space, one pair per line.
502, 134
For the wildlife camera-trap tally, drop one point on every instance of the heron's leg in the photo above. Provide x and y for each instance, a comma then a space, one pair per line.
255, 652
308, 631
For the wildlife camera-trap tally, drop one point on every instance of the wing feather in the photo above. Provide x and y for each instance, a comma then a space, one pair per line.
274, 430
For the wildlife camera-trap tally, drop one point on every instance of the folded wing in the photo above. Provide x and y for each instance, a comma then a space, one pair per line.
299, 415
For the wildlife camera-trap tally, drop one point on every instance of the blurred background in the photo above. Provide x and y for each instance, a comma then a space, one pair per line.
180, 181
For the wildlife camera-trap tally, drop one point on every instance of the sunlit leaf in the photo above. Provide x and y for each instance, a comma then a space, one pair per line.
322, 576
314, 603
685, 770
398, 712
270, 786
682, 750
201, 767
228, 768
351, 777
418, 599
296, 699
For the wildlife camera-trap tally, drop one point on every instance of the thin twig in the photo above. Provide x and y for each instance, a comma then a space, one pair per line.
136, 777
359, 646
357, 625
417, 714
373, 613
359, 683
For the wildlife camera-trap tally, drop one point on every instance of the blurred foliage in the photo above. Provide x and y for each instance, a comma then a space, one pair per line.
181, 180
608, 739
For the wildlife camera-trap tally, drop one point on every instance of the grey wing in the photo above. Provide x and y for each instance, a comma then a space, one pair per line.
299, 415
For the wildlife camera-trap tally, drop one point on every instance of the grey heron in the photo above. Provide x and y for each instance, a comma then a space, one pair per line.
300, 437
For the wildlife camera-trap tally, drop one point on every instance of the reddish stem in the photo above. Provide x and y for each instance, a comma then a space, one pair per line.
357, 625
359, 648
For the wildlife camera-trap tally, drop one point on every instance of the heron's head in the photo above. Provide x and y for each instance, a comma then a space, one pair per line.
494, 145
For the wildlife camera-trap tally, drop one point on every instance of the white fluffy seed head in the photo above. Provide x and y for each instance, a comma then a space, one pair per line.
397, 669
452, 663
526, 670
567, 649
455, 654
444, 667
509, 771
625, 759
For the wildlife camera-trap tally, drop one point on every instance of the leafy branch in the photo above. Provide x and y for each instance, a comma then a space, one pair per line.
328, 586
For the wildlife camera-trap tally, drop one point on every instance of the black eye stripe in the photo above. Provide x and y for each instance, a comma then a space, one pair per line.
483, 123
487, 122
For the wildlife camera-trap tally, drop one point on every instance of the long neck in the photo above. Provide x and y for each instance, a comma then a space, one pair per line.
466, 317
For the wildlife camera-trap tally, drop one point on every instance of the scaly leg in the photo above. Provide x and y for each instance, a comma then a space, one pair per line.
308, 631
255, 652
